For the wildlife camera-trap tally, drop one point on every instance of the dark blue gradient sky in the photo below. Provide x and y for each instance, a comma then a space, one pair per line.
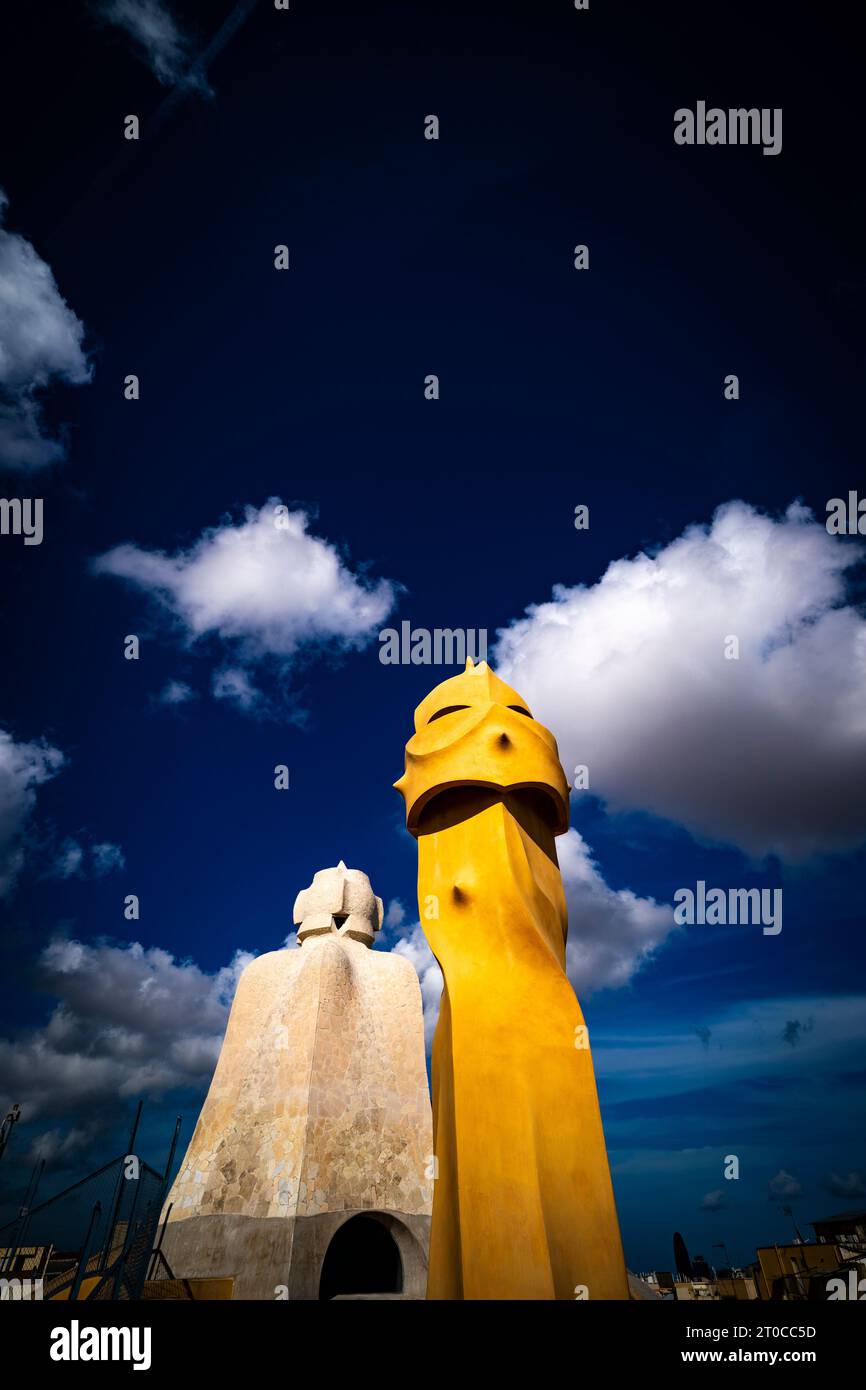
411, 257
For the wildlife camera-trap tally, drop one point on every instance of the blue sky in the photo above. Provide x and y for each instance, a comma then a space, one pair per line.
558, 388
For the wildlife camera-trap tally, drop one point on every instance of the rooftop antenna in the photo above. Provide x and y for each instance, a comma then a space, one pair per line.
11, 1119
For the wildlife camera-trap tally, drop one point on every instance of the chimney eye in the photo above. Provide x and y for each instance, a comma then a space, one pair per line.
521, 710
449, 709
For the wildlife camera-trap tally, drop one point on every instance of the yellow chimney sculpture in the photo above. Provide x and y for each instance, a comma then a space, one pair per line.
523, 1205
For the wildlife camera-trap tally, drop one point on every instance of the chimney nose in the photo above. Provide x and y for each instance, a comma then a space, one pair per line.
503, 741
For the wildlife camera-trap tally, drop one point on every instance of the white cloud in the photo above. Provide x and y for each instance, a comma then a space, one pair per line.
395, 914
612, 933
56, 1145
74, 860
22, 443
784, 1185
107, 858
413, 945
129, 1020
264, 586
69, 860
23, 767
41, 341
234, 685
852, 1185
175, 693
714, 1201
767, 752
158, 39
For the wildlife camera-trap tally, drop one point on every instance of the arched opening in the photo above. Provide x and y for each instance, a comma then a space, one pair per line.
361, 1258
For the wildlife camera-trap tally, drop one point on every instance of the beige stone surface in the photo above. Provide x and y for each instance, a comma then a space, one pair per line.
340, 901
319, 1102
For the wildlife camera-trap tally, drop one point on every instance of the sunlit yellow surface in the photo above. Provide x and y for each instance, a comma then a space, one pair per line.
523, 1205
87, 1287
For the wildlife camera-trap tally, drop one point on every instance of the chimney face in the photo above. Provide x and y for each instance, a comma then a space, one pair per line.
339, 901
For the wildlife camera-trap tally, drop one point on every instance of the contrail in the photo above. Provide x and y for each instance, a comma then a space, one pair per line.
197, 69
227, 30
